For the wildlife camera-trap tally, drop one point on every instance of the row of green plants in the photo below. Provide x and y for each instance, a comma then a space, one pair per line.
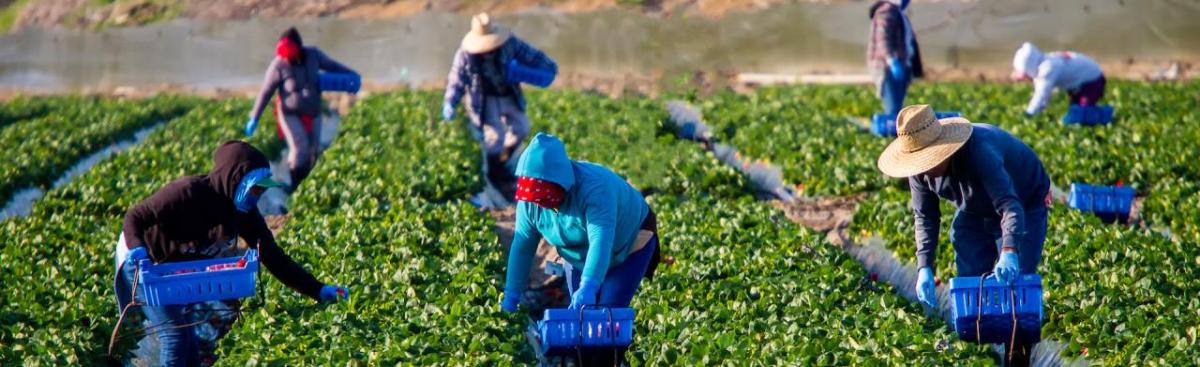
38, 150
747, 286
1102, 280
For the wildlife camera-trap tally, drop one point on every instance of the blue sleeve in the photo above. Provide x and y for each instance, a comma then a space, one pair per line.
457, 79
520, 254
600, 215
927, 215
989, 166
528, 55
324, 62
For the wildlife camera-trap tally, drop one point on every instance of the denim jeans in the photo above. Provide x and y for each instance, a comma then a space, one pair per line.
622, 281
892, 93
178, 346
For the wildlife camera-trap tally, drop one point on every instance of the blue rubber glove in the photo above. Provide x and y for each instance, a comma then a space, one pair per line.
926, 287
447, 112
1008, 267
585, 295
511, 300
897, 69
250, 126
135, 255
333, 292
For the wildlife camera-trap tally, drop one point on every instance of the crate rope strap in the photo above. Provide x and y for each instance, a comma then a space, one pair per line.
1012, 294
153, 329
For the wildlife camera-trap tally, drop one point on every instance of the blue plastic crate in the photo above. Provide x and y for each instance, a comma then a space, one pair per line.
340, 82
992, 306
1088, 115
1116, 200
564, 331
518, 73
187, 282
885, 125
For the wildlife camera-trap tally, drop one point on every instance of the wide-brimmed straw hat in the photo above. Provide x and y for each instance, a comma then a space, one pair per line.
484, 35
922, 141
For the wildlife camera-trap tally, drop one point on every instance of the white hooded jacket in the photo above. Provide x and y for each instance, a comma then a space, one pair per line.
1060, 69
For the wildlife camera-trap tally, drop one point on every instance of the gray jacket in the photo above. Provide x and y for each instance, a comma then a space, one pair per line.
299, 86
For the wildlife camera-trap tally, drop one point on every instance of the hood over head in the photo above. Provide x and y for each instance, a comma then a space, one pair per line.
1027, 59
231, 162
546, 159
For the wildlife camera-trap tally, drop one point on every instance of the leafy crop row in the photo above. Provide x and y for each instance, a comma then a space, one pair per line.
1101, 280
38, 150
747, 286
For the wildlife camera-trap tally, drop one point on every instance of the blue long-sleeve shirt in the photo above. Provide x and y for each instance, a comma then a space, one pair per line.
593, 229
993, 175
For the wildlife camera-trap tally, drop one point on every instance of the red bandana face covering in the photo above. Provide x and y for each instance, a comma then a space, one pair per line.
543, 193
287, 50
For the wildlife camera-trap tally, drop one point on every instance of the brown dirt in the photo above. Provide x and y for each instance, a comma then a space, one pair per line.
821, 214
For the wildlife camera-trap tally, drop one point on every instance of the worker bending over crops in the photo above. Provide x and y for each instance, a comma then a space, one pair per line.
201, 217
893, 55
1077, 73
496, 105
596, 220
996, 182
295, 74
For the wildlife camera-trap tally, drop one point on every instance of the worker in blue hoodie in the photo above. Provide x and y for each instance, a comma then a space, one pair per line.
597, 221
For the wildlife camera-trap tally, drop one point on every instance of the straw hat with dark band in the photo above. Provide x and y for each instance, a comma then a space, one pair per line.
484, 35
923, 142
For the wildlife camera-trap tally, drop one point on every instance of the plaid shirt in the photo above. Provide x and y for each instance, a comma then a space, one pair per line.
886, 39
463, 78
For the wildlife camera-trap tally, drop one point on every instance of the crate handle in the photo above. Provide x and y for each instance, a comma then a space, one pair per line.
611, 335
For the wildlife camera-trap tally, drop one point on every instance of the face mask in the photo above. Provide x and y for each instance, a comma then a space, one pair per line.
244, 199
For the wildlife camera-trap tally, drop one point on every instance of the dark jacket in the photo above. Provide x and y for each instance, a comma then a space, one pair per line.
887, 39
194, 218
299, 86
994, 175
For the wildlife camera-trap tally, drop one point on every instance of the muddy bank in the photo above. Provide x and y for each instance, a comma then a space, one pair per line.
615, 50
83, 14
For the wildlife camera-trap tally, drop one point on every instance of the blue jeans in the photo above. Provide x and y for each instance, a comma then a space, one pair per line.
892, 93
976, 242
178, 346
621, 282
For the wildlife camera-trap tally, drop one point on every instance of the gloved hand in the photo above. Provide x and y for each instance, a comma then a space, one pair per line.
585, 295
926, 287
511, 300
250, 126
897, 69
333, 292
447, 112
1008, 267
136, 254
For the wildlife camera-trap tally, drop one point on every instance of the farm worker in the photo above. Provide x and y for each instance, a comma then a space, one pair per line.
996, 182
599, 223
497, 105
200, 217
893, 55
295, 74
1077, 73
